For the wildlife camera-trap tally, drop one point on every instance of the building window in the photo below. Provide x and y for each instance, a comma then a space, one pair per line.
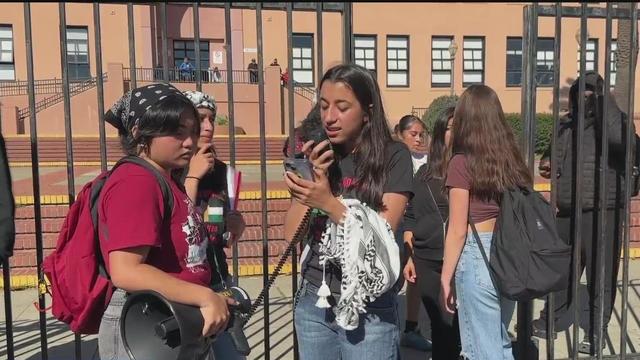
303, 59
186, 48
591, 57
397, 61
544, 62
365, 52
78, 53
441, 61
473, 56
614, 62
7, 65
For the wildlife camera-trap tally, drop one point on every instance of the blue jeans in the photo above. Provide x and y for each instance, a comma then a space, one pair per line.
483, 315
319, 337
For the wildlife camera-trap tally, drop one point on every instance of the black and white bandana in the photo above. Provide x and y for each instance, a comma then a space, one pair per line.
130, 108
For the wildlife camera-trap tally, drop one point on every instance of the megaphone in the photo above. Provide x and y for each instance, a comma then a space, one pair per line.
153, 327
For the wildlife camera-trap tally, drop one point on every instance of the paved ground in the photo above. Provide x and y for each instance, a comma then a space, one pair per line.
61, 346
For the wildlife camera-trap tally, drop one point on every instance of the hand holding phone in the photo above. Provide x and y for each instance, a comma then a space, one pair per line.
301, 167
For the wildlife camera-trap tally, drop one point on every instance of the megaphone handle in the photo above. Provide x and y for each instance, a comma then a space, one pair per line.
239, 339
165, 327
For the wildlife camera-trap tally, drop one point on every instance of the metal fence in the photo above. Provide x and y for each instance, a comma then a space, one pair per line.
166, 74
206, 76
525, 346
531, 16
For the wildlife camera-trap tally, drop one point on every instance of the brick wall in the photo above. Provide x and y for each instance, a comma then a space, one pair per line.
249, 249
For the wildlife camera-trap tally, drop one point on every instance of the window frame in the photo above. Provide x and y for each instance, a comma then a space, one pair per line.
12, 63
73, 75
387, 59
302, 58
483, 52
373, 37
441, 85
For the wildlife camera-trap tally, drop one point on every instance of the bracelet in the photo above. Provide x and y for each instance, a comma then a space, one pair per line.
193, 177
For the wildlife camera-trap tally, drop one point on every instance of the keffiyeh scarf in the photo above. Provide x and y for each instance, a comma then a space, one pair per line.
364, 246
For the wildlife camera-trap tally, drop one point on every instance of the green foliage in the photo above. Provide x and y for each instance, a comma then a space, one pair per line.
222, 120
544, 129
436, 107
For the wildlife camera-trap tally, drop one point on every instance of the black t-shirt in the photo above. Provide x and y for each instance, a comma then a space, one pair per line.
399, 170
425, 215
213, 185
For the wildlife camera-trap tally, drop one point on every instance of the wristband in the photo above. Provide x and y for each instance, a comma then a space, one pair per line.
193, 177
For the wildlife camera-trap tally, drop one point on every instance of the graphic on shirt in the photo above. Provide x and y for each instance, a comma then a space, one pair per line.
192, 229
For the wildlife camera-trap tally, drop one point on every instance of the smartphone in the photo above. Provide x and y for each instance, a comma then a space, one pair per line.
300, 167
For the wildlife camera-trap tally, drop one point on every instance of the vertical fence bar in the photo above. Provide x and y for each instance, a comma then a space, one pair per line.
602, 190
232, 123
68, 132
8, 315
554, 163
347, 32
577, 193
35, 174
100, 86
524, 346
133, 83
196, 43
291, 152
165, 55
627, 182
263, 180
320, 46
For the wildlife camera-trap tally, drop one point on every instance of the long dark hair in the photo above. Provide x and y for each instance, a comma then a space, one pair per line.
369, 156
482, 134
439, 152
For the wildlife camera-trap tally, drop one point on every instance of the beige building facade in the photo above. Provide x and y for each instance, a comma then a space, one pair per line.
407, 45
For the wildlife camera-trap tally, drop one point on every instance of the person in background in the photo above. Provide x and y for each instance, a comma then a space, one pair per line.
595, 97
486, 162
275, 62
7, 207
424, 232
216, 75
186, 70
253, 71
206, 185
412, 131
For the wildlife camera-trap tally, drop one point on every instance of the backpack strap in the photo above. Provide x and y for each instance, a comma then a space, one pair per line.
96, 188
484, 254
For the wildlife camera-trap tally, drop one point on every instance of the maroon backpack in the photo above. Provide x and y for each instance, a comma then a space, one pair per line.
80, 286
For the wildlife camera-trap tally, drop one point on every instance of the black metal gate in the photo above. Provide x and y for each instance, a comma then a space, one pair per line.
164, 75
584, 12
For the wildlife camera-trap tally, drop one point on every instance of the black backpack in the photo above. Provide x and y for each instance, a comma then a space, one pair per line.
528, 257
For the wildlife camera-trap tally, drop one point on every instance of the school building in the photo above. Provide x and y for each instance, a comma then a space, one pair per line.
418, 51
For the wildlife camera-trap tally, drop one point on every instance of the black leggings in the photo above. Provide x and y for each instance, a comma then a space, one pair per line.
445, 335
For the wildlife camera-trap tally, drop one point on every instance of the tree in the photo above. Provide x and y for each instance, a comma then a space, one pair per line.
621, 89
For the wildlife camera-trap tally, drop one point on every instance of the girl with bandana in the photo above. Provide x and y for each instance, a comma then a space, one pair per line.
206, 185
141, 251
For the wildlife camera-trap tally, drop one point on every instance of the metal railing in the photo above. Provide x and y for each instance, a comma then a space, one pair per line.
418, 111
177, 75
74, 89
44, 86
307, 92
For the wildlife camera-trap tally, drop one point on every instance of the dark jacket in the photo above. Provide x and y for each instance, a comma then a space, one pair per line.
424, 216
567, 144
7, 207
